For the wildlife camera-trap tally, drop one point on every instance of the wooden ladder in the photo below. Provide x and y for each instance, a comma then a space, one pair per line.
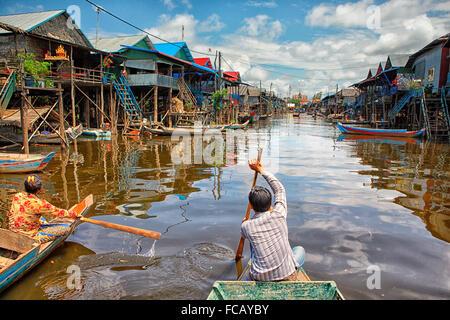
185, 93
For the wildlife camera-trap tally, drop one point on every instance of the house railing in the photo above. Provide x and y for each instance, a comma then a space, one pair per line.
152, 79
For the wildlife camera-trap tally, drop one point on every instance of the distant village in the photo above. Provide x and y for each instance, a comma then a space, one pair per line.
55, 81
405, 91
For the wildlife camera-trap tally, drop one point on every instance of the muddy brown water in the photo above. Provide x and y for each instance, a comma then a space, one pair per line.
356, 204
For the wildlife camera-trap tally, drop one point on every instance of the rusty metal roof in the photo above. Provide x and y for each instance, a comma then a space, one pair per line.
28, 21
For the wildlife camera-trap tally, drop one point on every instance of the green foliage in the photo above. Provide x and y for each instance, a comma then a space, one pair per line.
217, 98
295, 101
37, 69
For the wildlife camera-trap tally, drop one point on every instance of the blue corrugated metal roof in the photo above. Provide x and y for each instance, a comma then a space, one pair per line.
173, 48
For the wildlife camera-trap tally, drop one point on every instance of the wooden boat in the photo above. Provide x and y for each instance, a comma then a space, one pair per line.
164, 131
20, 253
377, 139
22, 163
380, 132
96, 132
239, 126
44, 138
53, 138
221, 127
245, 289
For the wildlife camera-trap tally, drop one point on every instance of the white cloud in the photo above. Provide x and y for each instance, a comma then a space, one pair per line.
341, 57
255, 74
22, 8
343, 15
262, 4
187, 3
170, 28
169, 4
211, 24
262, 26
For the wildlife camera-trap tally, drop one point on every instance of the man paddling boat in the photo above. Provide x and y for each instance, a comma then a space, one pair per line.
25, 215
267, 231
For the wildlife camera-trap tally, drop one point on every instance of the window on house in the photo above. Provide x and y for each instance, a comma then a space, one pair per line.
420, 70
430, 74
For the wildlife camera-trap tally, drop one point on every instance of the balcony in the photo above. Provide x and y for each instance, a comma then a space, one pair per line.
152, 79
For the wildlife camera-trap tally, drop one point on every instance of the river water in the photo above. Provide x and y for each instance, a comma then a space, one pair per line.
372, 214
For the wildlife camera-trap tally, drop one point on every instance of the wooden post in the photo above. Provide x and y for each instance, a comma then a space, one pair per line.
62, 132
112, 110
87, 115
170, 95
155, 98
170, 89
72, 90
102, 99
23, 112
23, 122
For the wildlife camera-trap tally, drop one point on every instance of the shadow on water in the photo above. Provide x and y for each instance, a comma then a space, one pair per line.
354, 202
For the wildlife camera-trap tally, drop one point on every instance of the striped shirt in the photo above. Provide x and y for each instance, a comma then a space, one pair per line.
267, 232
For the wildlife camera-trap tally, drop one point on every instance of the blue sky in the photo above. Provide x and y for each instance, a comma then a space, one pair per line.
310, 45
145, 13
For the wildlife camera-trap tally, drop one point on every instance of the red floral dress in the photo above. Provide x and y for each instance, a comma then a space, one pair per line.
27, 209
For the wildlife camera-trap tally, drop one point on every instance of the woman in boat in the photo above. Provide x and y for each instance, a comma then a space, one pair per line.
25, 215
267, 232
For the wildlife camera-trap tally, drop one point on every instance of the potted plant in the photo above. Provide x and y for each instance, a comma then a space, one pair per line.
37, 70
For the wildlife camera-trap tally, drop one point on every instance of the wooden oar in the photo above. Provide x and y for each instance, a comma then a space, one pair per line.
140, 232
247, 215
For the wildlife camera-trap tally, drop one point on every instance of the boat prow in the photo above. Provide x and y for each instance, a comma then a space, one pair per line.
23, 163
239, 126
246, 289
20, 253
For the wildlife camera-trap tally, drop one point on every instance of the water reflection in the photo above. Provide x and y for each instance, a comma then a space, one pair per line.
350, 202
419, 172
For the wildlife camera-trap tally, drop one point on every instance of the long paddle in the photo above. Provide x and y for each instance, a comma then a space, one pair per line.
247, 215
140, 232
90, 200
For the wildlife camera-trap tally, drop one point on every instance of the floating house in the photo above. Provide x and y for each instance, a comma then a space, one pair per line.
410, 92
431, 64
70, 80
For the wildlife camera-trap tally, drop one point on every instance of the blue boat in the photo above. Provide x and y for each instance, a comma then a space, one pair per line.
23, 163
20, 253
380, 132
97, 132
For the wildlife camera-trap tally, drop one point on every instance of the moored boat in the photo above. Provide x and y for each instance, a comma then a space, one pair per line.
23, 163
96, 132
245, 289
20, 253
43, 137
377, 139
239, 126
379, 132
164, 131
